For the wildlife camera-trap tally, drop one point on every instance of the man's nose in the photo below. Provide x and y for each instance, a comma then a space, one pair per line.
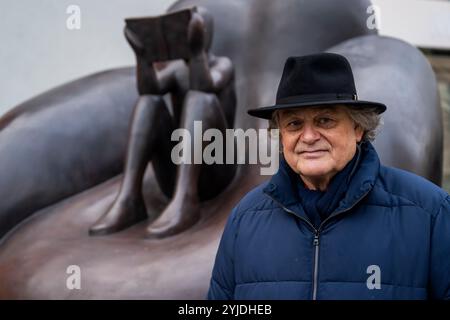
309, 134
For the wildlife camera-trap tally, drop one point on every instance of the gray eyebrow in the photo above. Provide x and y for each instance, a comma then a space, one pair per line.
322, 109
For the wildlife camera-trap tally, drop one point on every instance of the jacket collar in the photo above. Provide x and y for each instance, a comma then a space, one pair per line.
282, 189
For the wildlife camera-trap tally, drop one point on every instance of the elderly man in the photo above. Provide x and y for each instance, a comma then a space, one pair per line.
333, 223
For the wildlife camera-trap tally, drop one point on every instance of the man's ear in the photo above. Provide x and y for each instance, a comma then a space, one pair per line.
359, 132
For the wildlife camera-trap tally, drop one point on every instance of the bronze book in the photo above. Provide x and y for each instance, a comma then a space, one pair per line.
164, 37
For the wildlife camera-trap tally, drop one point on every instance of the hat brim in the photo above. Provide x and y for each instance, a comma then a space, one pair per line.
266, 112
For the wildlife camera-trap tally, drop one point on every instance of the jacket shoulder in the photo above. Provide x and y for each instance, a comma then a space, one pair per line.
406, 188
254, 200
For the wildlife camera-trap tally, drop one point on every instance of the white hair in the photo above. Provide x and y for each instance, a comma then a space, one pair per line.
367, 118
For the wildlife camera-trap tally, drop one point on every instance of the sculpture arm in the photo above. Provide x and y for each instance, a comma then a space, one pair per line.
222, 73
207, 73
166, 76
149, 81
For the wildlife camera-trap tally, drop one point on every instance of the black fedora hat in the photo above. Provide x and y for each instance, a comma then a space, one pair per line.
315, 80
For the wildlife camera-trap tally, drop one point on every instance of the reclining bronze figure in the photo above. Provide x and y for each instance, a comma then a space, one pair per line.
62, 152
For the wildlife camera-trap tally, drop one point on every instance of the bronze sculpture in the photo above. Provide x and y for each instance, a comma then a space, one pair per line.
71, 189
202, 89
378, 52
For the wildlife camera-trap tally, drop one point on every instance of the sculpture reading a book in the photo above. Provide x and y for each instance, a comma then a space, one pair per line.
173, 57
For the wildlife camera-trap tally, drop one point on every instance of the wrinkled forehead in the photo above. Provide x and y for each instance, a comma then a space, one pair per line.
313, 110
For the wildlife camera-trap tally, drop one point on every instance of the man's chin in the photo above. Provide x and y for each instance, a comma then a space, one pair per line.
314, 173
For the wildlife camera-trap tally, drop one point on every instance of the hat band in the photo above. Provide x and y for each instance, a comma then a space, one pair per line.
317, 98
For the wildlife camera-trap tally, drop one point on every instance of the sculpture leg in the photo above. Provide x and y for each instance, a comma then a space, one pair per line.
184, 209
149, 122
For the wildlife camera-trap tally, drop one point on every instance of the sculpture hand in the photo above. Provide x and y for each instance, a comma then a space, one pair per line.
196, 35
134, 42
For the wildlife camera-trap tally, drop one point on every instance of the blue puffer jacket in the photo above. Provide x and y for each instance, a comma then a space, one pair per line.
389, 238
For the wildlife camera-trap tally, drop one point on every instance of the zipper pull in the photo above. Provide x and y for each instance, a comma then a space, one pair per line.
316, 239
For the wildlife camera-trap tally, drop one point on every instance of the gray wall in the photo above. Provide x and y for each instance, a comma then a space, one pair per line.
38, 51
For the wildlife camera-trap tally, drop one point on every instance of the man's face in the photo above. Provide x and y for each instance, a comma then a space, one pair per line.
318, 142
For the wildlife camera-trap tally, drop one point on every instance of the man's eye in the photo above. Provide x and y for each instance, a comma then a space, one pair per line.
325, 121
294, 124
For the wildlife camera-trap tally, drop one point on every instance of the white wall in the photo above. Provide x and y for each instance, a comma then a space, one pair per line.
38, 51
423, 23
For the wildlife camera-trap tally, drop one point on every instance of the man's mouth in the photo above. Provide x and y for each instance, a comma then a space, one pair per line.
313, 153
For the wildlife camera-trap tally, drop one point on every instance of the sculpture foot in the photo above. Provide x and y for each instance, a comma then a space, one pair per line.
177, 217
122, 214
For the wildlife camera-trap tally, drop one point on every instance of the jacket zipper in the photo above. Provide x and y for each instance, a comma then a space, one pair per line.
316, 264
316, 242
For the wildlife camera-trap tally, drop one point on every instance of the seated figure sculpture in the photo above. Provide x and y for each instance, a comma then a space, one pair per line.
201, 88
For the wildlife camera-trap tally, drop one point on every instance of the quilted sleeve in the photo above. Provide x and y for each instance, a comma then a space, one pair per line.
223, 279
440, 254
